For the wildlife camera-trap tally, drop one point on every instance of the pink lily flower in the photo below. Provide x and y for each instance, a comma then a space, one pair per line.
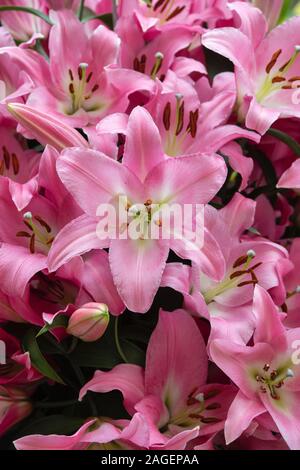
291, 178
272, 222
27, 237
17, 309
227, 303
266, 373
159, 14
156, 57
18, 369
18, 166
73, 285
266, 75
15, 83
171, 393
14, 407
24, 26
193, 119
26, 64
89, 84
95, 434
146, 176
6, 38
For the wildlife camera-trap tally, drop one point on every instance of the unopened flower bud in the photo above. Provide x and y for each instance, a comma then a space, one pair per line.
89, 322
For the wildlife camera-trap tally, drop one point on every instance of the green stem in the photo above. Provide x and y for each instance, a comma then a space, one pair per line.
81, 8
32, 11
118, 345
82, 381
286, 139
55, 404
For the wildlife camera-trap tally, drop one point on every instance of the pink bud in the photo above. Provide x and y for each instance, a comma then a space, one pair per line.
45, 128
89, 322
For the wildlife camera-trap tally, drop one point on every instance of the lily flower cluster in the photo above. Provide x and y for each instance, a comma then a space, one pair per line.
142, 342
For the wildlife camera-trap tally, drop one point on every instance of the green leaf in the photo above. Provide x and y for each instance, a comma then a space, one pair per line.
60, 321
133, 353
101, 354
30, 345
287, 10
55, 424
106, 18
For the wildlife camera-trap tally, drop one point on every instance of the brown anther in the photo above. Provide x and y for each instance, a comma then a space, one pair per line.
79, 71
253, 276
192, 401
256, 266
166, 3
6, 157
192, 126
287, 87
43, 223
241, 260
207, 420
148, 202
15, 163
71, 89
158, 4
95, 88
28, 225
266, 367
237, 274
180, 119
32, 241
213, 406
22, 233
195, 416
273, 60
89, 77
175, 12
2, 168
259, 378
263, 389
278, 79
294, 79
71, 75
282, 69
274, 394
247, 283
167, 116
280, 384
274, 374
